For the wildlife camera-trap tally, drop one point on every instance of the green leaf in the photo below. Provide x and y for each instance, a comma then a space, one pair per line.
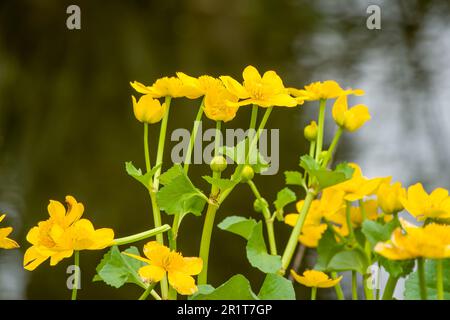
179, 195
222, 184
257, 252
116, 269
412, 289
145, 179
276, 287
236, 288
175, 171
238, 225
376, 232
326, 177
238, 155
349, 260
326, 249
400, 268
293, 178
284, 197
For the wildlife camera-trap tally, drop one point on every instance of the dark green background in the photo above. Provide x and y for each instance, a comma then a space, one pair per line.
67, 127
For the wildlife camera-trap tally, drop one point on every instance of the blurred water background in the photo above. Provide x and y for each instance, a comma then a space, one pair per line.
67, 127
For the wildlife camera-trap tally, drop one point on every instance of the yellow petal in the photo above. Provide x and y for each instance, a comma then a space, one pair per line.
251, 74
56, 211
7, 243
339, 109
282, 100
74, 210
291, 219
192, 265
58, 256
234, 87
139, 87
151, 273
137, 257
33, 258
182, 283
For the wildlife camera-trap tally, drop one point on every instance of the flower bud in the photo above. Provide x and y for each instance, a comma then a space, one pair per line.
218, 164
259, 204
310, 131
247, 173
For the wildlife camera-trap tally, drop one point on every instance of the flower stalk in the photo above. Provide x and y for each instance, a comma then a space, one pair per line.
77, 274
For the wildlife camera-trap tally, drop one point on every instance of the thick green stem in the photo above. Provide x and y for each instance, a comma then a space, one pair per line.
338, 288
141, 236
147, 292
187, 160
293, 239
313, 293
322, 107
439, 279
261, 127
205, 242
77, 274
348, 217
422, 281
333, 146
368, 250
354, 285
390, 288
267, 217
251, 128
146, 152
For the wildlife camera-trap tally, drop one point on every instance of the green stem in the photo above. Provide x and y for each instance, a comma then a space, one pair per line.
312, 149
313, 293
252, 126
141, 236
422, 282
187, 160
368, 251
77, 274
439, 279
155, 295
322, 107
267, 217
205, 242
293, 239
354, 285
261, 127
338, 288
146, 152
333, 146
348, 217
390, 288
147, 292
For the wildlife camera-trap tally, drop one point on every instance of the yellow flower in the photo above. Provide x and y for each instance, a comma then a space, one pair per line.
423, 205
148, 110
313, 228
359, 186
266, 91
161, 260
389, 196
315, 279
57, 237
166, 87
217, 106
349, 119
5, 242
431, 241
199, 86
328, 89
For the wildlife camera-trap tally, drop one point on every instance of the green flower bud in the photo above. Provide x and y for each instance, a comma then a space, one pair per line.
218, 164
247, 173
259, 204
310, 131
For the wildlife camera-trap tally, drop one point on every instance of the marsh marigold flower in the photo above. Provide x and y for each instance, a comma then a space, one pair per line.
389, 196
349, 119
148, 109
315, 279
266, 91
179, 269
62, 234
423, 205
328, 89
431, 242
199, 86
165, 87
5, 242
217, 105
359, 186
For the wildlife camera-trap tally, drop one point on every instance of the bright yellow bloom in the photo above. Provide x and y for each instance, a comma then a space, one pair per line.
328, 89
199, 86
161, 260
359, 186
389, 196
423, 205
266, 91
431, 241
148, 110
349, 119
313, 228
166, 87
63, 233
5, 242
315, 279
217, 106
